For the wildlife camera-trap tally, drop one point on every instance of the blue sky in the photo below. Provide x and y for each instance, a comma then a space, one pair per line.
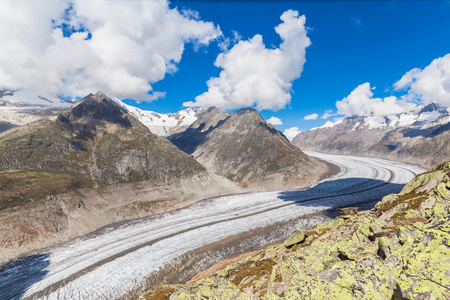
352, 42
115, 47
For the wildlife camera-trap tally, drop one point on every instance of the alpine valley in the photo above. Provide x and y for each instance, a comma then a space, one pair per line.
66, 172
87, 184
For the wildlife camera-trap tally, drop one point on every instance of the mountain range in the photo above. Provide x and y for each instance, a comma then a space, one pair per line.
421, 136
92, 165
71, 171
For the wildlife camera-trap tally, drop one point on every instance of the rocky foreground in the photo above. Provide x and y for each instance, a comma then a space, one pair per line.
398, 250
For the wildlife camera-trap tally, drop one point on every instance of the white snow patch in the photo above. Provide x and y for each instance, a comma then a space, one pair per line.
428, 117
354, 127
329, 124
403, 120
161, 124
375, 122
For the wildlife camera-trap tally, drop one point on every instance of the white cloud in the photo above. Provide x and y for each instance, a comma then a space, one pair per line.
431, 83
254, 75
328, 113
225, 42
361, 103
274, 121
121, 47
290, 133
311, 117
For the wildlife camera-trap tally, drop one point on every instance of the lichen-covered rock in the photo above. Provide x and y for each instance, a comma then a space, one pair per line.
296, 238
398, 250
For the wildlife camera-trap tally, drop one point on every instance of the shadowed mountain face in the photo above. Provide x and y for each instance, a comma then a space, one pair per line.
94, 142
421, 137
97, 110
245, 149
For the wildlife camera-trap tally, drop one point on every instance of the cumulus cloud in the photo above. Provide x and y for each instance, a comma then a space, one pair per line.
431, 83
274, 121
74, 47
360, 102
311, 117
290, 133
256, 76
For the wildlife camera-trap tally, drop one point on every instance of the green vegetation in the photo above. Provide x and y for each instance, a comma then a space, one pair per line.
18, 187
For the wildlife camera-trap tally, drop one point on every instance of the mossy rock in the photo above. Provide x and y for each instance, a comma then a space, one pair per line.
400, 249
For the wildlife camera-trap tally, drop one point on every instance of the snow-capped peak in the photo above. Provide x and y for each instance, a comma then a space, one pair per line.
330, 124
422, 117
162, 124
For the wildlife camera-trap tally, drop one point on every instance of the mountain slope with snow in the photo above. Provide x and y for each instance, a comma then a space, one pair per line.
17, 109
163, 124
421, 136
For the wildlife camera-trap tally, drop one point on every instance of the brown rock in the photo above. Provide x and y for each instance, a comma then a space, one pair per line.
347, 210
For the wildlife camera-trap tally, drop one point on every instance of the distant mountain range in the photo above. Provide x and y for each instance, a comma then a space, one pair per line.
421, 136
163, 124
16, 112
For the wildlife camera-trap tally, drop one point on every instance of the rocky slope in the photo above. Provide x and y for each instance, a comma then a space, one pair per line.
92, 165
248, 151
99, 140
421, 137
398, 250
163, 124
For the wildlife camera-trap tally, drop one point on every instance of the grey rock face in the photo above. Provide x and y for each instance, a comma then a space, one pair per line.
245, 149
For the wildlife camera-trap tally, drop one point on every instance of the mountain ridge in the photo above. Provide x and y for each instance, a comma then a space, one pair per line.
420, 137
247, 150
162, 124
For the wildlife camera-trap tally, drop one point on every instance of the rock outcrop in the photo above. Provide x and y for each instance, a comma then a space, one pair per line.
398, 250
248, 151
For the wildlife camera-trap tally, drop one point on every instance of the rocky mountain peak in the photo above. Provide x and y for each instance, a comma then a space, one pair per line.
96, 109
209, 119
248, 114
246, 150
247, 111
249, 120
430, 107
